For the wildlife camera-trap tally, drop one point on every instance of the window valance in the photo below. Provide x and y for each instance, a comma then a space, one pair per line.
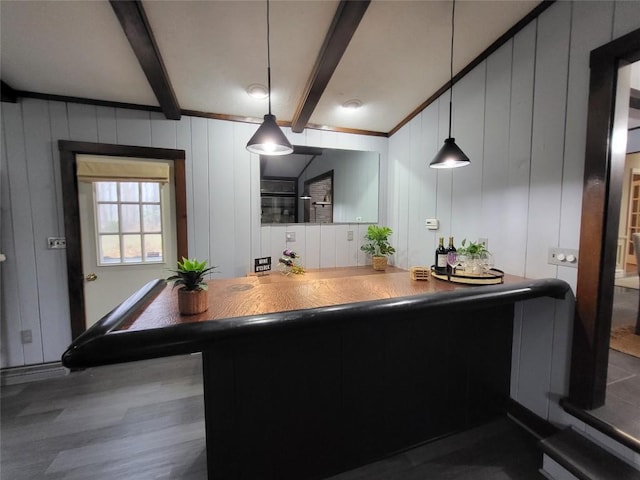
90, 170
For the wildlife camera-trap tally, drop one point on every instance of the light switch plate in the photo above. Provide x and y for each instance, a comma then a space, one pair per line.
432, 223
290, 236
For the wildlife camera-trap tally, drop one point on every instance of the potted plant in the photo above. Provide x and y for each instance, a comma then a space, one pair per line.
378, 245
192, 294
474, 257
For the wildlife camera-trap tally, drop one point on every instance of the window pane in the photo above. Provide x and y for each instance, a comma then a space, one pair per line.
153, 248
151, 218
132, 248
130, 221
106, 191
109, 246
129, 191
107, 218
151, 192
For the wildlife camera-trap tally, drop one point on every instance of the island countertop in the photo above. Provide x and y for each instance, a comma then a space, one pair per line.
148, 324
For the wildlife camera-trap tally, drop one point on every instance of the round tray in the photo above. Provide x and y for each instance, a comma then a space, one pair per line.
492, 277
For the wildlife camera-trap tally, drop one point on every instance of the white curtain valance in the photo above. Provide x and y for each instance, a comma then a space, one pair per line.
122, 171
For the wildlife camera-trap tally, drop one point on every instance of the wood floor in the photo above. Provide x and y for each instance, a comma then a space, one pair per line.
145, 420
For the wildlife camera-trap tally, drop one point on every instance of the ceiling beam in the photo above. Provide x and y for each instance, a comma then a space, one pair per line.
345, 22
138, 31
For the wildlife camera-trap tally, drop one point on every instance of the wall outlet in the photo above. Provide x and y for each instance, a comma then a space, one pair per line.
26, 336
564, 257
350, 236
290, 236
432, 224
56, 242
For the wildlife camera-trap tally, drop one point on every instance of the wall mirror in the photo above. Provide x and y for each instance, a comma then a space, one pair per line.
319, 185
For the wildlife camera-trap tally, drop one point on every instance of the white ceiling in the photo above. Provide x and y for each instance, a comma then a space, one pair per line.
213, 50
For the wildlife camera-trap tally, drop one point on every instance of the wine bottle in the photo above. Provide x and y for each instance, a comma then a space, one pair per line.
441, 258
450, 249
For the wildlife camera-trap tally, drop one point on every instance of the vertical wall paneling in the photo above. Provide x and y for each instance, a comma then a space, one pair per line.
516, 207
163, 131
398, 144
183, 142
312, 246
417, 194
242, 188
381, 145
590, 28
495, 165
133, 127
24, 257
83, 124
429, 146
50, 295
222, 198
327, 246
547, 152
535, 355
106, 120
403, 187
59, 131
11, 352
626, 17
342, 246
468, 130
199, 243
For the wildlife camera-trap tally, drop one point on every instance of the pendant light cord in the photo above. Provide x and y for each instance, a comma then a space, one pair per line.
268, 58
453, 15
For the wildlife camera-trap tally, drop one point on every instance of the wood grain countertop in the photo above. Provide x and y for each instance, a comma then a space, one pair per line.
276, 292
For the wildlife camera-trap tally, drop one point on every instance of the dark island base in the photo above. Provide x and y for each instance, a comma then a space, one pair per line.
310, 402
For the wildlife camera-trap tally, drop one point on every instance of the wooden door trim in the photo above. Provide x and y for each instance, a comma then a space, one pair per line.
599, 227
71, 211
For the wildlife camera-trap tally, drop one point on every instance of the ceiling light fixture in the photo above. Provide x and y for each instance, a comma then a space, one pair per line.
305, 194
257, 90
352, 104
450, 155
269, 139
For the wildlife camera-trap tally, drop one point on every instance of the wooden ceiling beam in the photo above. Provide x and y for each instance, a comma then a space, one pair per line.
345, 22
136, 27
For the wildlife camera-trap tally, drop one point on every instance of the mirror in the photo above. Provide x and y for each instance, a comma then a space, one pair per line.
338, 186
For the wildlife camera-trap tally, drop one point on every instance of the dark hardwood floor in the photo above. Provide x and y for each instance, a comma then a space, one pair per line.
145, 420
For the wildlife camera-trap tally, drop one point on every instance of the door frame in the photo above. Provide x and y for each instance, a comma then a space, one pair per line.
71, 211
601, 196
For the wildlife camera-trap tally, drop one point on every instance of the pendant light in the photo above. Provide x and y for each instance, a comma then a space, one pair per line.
450, 155
269, 139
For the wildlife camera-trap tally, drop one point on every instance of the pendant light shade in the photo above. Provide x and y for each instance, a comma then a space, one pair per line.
305, 194
450, 155
269, 139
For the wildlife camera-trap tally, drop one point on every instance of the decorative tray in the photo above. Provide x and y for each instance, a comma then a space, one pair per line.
492, 277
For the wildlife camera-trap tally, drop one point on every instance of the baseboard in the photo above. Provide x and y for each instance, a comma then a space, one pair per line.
537, 426
32, 373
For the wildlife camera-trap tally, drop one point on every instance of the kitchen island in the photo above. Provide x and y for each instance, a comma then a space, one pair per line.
309, 375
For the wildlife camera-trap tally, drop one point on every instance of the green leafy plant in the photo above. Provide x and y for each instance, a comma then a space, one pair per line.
190, 274
472, 249
378, 241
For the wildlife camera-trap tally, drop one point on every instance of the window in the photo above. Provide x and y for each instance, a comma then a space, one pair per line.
128, 222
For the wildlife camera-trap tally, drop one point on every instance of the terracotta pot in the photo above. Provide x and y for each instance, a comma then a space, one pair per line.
191, 302
379, 263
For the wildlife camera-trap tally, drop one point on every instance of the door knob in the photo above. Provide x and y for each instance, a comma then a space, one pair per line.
91, 277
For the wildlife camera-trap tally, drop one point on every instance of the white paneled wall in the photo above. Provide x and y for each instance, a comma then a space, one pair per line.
223, 207
521, 118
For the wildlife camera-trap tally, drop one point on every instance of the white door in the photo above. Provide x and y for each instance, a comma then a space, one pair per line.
117, 257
